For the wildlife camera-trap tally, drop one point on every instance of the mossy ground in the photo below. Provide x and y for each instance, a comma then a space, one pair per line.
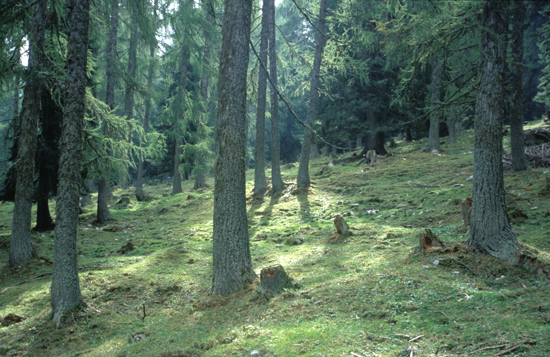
368, 295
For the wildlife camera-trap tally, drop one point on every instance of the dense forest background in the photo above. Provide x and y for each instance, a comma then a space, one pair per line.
376, 79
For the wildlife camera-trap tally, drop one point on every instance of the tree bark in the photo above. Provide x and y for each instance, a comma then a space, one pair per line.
176, 179
320, 41
276, 179
21, 247
375, 138
451, 123
104, 184
490, 231
519, 161
232, 264
433, 138
65, 289
260, 180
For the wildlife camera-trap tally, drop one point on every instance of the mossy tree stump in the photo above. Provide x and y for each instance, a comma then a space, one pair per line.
273, 279
342, 230
429, 242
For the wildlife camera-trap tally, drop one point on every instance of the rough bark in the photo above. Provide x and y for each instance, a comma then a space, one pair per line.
104, 184
65, 289
519, 160
320, 41
260, 180
276, 179
21, 247
435, 117
490, 230
232, 264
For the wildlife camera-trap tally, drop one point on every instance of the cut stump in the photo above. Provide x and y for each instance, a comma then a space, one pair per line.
273, 279
429, 242
342, 230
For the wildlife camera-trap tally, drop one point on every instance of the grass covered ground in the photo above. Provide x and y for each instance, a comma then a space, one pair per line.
367, 296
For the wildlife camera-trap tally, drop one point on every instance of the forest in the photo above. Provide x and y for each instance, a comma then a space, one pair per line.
274, 178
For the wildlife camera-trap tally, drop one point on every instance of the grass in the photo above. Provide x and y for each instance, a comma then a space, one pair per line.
369, 295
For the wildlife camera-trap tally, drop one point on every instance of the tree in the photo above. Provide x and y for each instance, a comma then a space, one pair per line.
176, 186
320, 41
65, 290
519, 161
276, 179
139, 192
490, 231
21, 247
437, 72
232, 264
104, 184
260, 181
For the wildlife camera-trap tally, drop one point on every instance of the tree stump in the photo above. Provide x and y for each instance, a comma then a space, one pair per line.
429, 242
466, 209
273, 279
342, 230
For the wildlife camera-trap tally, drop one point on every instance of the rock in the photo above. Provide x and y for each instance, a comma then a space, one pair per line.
124, 200
11, 319
255, 353
126, 248
273, 279
294, 241
137, 337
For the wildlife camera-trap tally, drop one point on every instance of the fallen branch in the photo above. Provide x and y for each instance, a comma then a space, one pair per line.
507, 351
83, 352
355, 354
416, 338
144, 314
488, 348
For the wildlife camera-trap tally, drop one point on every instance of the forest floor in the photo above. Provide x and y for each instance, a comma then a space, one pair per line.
369, 295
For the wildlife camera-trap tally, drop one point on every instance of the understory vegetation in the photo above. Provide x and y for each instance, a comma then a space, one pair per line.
146, 275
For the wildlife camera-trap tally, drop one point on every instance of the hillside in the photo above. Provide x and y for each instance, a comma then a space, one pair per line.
367, 296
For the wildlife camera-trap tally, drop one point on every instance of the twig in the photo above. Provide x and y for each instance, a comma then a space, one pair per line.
488, 348
465, 266
355, 354
401, 335
144, 314
416, 338
508, 351
83, 352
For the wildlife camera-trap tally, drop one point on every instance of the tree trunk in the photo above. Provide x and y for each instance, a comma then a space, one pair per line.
200, 180
65, 288
176, 180
21, 247
44, 221
260, 181
451, 123
130, 86
140, 193
103, 194
176, 187
519, 161
490, 231
375, 138
104, 184
320, 41
232, 264
435, 116
276, 179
